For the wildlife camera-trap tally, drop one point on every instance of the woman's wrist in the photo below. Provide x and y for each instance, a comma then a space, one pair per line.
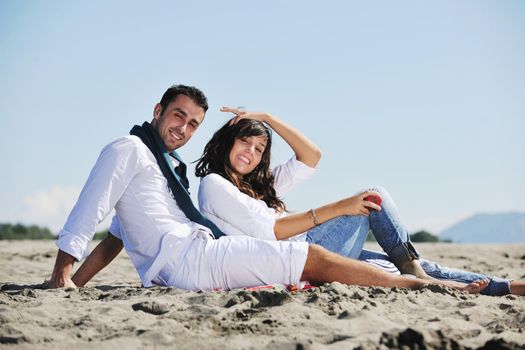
313, 217
338, 208
267, 118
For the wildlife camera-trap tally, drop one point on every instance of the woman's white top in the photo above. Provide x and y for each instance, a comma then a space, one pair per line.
236, 213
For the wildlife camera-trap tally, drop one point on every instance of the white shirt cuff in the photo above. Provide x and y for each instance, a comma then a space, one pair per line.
75, 245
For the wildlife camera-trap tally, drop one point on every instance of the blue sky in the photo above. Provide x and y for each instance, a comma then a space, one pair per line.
426, 98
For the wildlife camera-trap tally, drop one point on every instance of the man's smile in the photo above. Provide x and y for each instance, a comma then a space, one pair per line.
176, 136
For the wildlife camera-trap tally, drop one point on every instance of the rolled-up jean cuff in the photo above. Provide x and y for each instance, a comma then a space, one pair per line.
403, 253
497, 287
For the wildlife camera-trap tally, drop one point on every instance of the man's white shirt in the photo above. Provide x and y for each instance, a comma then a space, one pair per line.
127, 177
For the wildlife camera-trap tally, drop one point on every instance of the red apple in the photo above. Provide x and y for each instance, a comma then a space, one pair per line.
373, 199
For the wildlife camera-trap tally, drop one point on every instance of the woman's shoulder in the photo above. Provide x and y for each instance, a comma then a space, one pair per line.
213, 180
213, 177
214, 187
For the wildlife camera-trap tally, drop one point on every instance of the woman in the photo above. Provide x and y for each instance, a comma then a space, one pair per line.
241, 194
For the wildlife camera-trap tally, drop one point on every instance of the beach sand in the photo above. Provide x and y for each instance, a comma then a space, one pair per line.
114, 312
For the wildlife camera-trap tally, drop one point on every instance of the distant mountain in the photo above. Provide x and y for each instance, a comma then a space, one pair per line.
488, 228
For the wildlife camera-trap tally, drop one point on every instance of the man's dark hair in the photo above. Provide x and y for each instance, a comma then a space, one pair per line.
191, 91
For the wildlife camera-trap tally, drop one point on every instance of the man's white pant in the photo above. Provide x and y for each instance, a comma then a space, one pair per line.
234, 262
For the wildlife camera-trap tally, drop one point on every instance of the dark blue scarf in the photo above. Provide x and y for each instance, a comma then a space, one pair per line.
177, 180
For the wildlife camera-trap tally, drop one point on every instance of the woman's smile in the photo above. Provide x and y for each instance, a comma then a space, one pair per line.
246, 154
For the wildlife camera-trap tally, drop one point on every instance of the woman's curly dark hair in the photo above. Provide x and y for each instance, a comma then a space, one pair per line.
216, 159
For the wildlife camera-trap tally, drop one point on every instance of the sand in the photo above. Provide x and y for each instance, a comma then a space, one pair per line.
114, 312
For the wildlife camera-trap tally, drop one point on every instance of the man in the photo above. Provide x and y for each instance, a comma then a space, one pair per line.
154, 226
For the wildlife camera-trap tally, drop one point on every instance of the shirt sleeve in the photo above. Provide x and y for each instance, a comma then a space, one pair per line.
116, 166
114, 228
219, 198
290, 174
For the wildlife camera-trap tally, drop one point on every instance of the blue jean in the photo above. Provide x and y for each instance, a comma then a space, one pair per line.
346, 235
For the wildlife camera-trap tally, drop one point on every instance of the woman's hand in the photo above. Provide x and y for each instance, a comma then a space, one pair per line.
241, 114
357, 205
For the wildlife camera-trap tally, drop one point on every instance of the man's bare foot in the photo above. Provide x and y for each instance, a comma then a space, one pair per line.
476, 287
471, 288
414, 268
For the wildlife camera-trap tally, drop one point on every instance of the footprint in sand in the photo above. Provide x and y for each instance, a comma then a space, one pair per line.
151, 307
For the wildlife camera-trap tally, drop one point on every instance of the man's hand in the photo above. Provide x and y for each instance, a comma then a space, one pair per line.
61, 277
99, 258
64, 282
